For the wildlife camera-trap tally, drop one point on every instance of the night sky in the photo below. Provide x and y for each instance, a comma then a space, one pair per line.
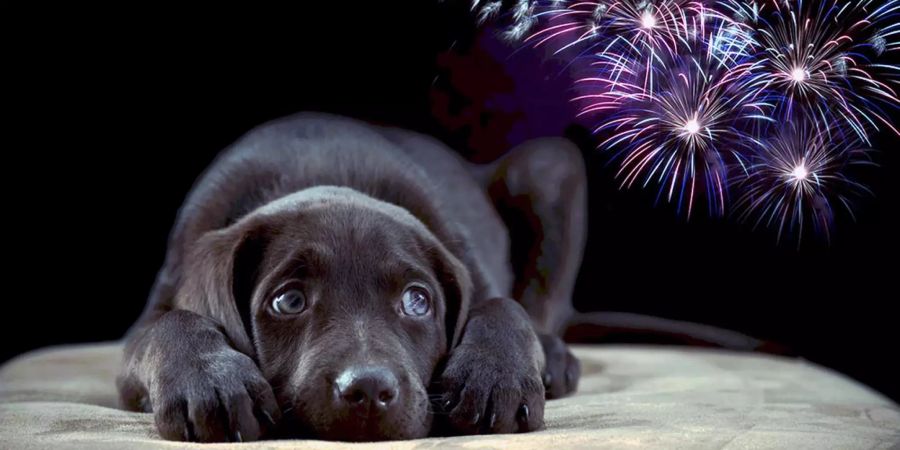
112, 120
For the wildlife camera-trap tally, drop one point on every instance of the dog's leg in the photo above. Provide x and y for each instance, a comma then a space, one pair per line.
182, 368
540, 190
492, 379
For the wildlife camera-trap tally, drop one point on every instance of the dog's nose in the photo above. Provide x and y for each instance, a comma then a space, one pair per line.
367, 389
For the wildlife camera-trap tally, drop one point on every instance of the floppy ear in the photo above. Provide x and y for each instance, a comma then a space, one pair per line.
219, 275
457, 285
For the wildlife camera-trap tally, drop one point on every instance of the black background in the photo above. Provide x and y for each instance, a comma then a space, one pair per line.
112, 114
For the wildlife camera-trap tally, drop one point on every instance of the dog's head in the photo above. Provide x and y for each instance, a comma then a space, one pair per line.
347, 303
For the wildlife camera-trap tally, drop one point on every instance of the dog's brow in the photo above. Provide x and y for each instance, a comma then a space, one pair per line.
305, 257
403, 269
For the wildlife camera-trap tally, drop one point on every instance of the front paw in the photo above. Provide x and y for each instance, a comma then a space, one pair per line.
216, 397
562, 369
486, 392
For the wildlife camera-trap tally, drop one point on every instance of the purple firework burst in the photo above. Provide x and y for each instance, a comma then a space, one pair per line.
796, 179
818, 59
683, 136
769, 98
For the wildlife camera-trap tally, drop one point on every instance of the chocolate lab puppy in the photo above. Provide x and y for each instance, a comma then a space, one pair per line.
332, 279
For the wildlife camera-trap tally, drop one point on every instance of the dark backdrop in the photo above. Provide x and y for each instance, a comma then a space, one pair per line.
113, 114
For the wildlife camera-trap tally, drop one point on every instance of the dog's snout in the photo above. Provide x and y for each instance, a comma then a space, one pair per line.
367, 389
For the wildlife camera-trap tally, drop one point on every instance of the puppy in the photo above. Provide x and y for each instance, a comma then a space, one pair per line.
331, 279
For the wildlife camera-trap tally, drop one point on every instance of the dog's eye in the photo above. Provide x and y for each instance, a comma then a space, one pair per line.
289, 302
416, 301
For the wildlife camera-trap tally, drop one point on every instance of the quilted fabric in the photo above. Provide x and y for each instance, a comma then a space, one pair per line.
630, 397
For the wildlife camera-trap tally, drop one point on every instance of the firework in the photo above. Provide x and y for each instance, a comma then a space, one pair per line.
691, 95
684, 135
816, 56
637, 24
628, 37
796, 179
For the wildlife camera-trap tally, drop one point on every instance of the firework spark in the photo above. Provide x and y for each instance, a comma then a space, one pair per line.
681, 135
626, 36
692, 94
796, 179
815, 56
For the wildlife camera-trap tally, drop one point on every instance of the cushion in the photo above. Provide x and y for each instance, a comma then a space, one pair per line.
629, 397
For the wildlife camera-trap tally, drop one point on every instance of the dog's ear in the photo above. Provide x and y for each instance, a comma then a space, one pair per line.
219, 276
457, 285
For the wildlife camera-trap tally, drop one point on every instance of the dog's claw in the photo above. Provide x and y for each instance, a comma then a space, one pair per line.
269, 418
522, 415
562, 368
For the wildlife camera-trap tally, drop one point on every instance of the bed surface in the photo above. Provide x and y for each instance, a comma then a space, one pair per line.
629, 397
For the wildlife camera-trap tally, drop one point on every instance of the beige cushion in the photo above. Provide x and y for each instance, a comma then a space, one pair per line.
630, 397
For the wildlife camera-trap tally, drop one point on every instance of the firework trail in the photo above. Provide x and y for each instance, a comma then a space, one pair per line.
796, 179
628, 36
772, 99
816, 57
681, 135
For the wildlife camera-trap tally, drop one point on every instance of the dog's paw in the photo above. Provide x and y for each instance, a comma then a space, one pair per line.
562, 369
487, 392
215, 397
